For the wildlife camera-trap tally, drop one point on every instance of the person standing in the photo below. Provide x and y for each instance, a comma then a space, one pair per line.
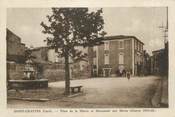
128, 74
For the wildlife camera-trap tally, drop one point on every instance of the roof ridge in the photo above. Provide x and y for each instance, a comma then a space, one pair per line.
121, 37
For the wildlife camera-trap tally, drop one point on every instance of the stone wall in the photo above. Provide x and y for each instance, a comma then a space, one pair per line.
56, 72
52, 72
40, 54
15, 49
15, 71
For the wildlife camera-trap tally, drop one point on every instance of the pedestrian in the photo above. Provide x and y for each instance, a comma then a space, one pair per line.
124, 73
128, 75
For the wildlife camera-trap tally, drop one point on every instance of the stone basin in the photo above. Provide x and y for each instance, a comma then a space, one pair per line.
28, 84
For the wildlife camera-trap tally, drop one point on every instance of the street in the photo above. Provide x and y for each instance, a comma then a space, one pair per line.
101, 93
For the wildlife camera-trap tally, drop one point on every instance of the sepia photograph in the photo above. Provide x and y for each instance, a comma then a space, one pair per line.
87, 57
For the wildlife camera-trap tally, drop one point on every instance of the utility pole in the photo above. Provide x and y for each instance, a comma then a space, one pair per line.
165, 60
164, 28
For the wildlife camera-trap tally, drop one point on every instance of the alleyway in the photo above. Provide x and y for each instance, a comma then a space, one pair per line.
102, 92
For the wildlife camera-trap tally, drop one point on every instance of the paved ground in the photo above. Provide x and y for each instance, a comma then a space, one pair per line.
102, 92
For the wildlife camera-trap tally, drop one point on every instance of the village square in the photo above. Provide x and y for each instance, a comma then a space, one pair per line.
87, 57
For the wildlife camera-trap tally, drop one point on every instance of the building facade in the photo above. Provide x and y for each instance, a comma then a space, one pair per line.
53, 56
159, 62
40, 54
46, 55
15, 49
15, 56
146, 64
117, 55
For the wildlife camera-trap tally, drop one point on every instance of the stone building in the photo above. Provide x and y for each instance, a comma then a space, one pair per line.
146, 64
48, 62
15, 49
117, 55
15, 56
159, 62
40, 54
45, 54
53, 56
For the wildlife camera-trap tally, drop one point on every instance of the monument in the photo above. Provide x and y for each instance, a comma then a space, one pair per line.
30, 79
29, 72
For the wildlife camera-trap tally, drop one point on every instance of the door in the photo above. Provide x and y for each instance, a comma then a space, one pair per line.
121, 64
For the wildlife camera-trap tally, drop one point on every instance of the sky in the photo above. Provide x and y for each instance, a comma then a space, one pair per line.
142, 22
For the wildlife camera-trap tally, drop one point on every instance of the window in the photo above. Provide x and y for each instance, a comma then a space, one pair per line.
140, 47
121, 58
94, 61
106, 44
106, 59
56, 57
94, 48
121, 44
94, 51
135, 45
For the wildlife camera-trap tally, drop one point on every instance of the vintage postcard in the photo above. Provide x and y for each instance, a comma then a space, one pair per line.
88, 59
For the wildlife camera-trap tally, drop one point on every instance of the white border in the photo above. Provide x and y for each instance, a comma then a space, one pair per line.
170, 112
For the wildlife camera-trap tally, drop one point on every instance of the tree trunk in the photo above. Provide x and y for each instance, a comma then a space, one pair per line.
67, 74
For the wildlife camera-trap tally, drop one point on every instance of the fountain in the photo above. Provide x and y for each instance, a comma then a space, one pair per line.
30, 80
29, 71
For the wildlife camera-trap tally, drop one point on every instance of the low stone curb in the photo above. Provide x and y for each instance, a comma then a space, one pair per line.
30, 99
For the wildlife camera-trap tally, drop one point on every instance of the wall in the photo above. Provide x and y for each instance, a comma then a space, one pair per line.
15, 49
52, 72
114, 55
160, 62
40, 54
138, 57
81, 70
53, 56
131, 60
56, 72
15, 71
90, 58
101, 59
128, 54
